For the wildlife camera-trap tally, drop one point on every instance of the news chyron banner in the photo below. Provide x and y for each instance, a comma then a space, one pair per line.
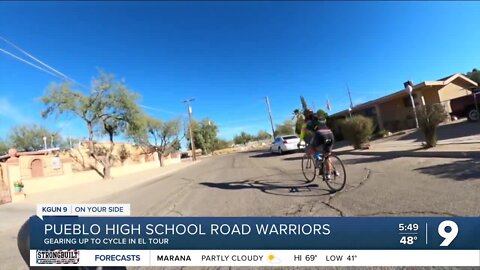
106, 235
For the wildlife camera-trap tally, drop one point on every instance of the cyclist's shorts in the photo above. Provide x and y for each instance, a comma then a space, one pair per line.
325, 138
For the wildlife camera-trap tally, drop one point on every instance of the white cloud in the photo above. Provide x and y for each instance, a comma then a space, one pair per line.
11, 112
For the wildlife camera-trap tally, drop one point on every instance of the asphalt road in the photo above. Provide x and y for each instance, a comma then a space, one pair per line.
260, 184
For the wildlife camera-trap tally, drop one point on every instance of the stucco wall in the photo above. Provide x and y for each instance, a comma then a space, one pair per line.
431, 95
83, 162
5, 185
48, 169
13, 174
396, 115
37, 185
42, 184
458, 88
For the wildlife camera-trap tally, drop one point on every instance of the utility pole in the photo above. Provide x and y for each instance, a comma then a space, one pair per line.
270, 114
192, 142
351, 102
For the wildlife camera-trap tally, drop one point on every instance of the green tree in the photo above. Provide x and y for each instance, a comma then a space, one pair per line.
221, 144
176, 145
110, 108
4, 146
263, 135
243, 138
154, 134
474, 75
30, 137
287, 128
205, 135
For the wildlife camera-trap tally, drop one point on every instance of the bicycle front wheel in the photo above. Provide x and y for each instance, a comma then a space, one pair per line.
338, 175
308, 168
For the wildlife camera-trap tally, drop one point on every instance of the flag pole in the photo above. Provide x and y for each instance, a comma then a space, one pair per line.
351, 103
329, 106
350, 96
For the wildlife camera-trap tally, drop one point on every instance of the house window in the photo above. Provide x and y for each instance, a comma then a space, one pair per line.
408, 103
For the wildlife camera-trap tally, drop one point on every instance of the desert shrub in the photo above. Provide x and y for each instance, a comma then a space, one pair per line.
335, 126
429, 117
219, 144
382, 133
123, 153
358, 130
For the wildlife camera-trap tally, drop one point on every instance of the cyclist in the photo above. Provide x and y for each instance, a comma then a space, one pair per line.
322, 139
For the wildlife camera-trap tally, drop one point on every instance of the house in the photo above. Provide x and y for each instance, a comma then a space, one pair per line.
394, 112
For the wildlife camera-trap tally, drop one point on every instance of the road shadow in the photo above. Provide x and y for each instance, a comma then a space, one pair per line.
462, 170
450, 131
293, 158
263, 155
363, 160
269, 154
273, 188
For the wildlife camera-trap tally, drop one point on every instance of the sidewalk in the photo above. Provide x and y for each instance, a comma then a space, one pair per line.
19, 212
412, 146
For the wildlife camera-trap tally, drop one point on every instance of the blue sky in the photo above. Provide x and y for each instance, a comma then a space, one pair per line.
230, 55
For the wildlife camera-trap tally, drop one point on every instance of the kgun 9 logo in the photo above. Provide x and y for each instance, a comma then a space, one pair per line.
449, 235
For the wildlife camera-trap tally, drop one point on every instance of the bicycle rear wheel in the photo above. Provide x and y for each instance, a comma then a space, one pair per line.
308, 168
338, 175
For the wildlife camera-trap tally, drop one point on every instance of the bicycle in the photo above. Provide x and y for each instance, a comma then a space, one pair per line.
338, 175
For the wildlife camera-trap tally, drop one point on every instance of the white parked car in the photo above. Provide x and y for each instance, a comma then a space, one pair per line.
284, 144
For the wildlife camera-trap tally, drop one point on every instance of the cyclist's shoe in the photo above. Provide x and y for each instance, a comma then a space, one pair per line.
336, 173
328, 177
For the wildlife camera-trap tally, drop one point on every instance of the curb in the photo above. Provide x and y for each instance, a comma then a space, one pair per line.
415, 153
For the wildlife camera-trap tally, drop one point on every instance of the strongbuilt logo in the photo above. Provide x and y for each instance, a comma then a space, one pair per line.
58, 256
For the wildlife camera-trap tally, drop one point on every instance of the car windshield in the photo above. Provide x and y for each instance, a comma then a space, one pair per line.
290, 137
